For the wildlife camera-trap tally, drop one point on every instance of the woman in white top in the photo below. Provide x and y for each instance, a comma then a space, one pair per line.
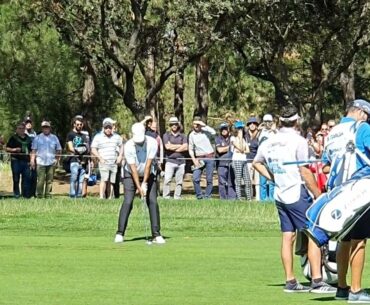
240, 148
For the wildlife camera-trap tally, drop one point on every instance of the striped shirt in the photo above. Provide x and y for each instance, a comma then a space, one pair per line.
107, 147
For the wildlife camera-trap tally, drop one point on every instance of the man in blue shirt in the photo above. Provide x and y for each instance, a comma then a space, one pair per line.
352, 132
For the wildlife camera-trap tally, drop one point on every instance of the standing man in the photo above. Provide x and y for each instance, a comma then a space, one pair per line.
202, 153
140, 175
226, 178
108, 148
176, 144
351, 131
19, 146
78, 147
267, 130
292, 183
32, 134
45, 155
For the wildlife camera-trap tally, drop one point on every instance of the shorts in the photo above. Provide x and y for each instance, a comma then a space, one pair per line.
361, 230
293, 216
108, 172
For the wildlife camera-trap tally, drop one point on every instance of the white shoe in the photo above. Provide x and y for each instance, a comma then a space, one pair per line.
119, 238
159, 240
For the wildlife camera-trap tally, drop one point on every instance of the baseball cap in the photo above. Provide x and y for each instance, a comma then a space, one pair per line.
363, 105
28, 119
138, 132
108, 122
45, 124
267, 118
223, 125
173, 120
239, 124
252, 120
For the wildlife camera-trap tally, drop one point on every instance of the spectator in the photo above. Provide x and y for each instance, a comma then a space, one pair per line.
176, 145
331, 124
251, 136
226, 178
117, 184
151, 129
19, 146
108, 148
267, 130
140, 175
45, 155
240, 150
78, 146
32, 134
202, 154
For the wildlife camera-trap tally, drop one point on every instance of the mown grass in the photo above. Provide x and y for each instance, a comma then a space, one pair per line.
61, 252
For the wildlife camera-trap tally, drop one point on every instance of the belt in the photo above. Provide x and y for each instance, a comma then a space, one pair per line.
211, 155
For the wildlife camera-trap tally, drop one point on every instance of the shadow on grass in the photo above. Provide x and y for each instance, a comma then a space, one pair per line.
324, 299
142, 238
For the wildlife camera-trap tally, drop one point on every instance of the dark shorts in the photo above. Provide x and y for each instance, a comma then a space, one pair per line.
293, 216
361, 230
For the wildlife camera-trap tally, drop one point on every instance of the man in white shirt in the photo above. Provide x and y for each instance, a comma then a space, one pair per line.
140, 174
108, 148
292, 183
202, 153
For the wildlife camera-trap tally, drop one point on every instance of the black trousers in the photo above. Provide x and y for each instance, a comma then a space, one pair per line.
151, 201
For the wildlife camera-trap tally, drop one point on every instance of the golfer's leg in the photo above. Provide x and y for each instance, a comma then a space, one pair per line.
129, 194
153, 207
342, 259
357, 260
287, 254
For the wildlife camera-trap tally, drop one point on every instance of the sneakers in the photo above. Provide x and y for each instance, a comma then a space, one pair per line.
342, 293
296, 288
119, 238
322, 288
359, 297
158, 240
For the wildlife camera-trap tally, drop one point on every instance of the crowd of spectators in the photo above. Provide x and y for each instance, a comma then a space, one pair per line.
228, 150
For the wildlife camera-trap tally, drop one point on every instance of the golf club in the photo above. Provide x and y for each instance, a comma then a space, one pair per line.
146, 225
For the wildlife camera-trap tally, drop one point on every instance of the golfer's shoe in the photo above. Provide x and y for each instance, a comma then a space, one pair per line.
361, 297
119, 238
296, 288
342, 293
159, 240
322, 288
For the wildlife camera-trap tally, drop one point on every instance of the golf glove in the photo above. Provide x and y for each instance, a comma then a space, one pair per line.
144, 187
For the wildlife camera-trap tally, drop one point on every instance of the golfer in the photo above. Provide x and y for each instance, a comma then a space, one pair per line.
140, 174
292, 183
354, 130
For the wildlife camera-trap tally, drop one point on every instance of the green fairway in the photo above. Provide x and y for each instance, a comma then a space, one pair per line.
62, 252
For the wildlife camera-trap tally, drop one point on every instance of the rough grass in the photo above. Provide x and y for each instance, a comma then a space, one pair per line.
61, 252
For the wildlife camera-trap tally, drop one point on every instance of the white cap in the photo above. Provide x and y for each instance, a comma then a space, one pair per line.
174, 120
138, 132
267, 118
109, 121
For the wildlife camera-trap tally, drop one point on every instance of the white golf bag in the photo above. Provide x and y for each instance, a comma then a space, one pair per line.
335, 213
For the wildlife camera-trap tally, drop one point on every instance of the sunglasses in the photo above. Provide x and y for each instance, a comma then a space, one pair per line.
108, 127
324, 128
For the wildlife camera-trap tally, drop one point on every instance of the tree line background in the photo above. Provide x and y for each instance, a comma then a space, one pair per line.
213, 58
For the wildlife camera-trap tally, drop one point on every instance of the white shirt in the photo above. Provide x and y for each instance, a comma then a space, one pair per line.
108, 147
139, 154
286, 146
237, 156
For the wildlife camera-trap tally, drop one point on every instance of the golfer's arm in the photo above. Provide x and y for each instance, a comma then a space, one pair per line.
135, 175
261, 168
147, 170
309, 181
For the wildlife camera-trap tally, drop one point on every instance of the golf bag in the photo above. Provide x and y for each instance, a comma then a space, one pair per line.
328, 259
335, 213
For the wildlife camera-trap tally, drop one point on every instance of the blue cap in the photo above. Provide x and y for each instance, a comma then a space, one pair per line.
363, 105
252, 120
238, 124
223, 125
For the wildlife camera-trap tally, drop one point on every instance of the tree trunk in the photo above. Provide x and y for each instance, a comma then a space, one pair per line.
347, 83
201, 88
178, 103
88, 93
151, 105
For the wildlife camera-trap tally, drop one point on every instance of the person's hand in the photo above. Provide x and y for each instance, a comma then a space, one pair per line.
119, 160
144, 189
17, 149
196, 163
101, 160
33, 164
